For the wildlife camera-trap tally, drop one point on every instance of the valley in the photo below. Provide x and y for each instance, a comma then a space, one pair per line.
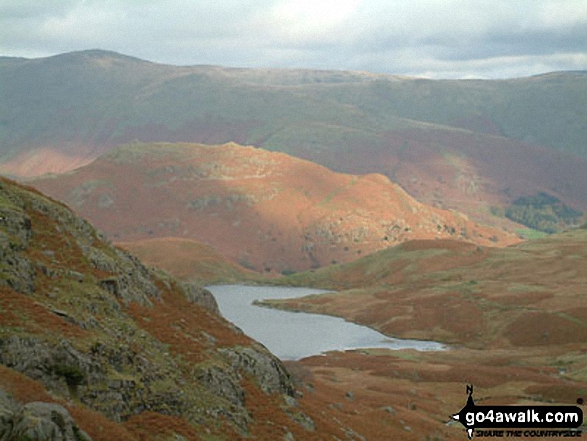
514, 318
444, 212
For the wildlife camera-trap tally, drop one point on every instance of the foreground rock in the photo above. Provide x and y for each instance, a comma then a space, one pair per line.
87, 326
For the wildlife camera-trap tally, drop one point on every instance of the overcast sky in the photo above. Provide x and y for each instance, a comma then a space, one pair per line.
431, 38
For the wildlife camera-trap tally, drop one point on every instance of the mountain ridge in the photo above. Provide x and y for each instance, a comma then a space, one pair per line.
58, 115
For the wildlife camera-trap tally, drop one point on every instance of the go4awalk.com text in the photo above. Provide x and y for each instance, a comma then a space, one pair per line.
519, 421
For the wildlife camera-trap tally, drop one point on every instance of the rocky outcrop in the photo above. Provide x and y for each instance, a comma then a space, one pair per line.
264, 367
37, 422
200, 296
97, 328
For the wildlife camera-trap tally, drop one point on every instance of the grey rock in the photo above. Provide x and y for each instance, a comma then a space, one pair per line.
17, 272
45, 422
200, 296
303, 420
267, 369
222, 383
8, 407
59, 367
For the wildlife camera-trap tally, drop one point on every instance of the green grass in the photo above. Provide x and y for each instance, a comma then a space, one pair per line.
530, 234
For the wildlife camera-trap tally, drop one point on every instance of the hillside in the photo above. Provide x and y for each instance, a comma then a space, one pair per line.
463, 144
188, 260
93, 345
266, 211
529, 294
515, 319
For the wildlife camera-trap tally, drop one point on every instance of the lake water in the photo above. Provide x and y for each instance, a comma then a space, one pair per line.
295, 335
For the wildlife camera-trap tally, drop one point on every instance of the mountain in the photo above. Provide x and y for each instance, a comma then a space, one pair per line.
93, 345
266, 211
462, 144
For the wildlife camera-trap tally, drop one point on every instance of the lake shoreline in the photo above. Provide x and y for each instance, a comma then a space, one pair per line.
295, 336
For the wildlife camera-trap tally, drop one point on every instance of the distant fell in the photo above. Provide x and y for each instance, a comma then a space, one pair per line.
266, 211
461, 144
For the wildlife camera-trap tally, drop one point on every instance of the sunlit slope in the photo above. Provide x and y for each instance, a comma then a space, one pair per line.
188, 259
266, 211
463, 144
530, 294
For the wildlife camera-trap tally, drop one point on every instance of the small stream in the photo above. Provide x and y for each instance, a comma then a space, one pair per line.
295, 335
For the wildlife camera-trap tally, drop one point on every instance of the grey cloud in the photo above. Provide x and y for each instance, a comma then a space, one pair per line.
421, 37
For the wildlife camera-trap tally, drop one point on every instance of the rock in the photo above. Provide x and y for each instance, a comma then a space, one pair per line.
17, 272
45, 422
389, 409
110, 284
75, 275
59, 367
290, 401
303, 420
7, 409
222, 383
267, 369
200, 296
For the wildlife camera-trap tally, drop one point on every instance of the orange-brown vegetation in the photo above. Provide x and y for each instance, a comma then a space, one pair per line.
515, 318
265, 211
99, 427
24, 312
187, 259
180, 324
155, 426
408, 395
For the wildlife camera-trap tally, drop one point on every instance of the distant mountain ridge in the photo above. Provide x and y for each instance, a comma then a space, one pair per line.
60, 112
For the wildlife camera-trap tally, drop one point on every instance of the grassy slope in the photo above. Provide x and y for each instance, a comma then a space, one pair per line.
264, 210
516, 319
188, 260
121, 92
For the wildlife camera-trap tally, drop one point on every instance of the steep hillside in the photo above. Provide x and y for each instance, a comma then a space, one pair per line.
265, 211
465, 144
130, 354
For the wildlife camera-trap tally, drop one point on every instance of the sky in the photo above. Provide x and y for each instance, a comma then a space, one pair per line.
426, 38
